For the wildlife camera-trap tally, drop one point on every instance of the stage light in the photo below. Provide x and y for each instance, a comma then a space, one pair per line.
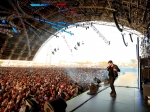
31, 30
63, 10
62, 22
55, 27
49, 22
39, 5
78, 43
61, 4
3, 21
75, 48
42, 20
54, 24
69, 32
62, 30
14, 29
37, 19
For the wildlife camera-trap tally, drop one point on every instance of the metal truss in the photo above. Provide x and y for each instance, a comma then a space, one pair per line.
100, 35
63, 36
49, 55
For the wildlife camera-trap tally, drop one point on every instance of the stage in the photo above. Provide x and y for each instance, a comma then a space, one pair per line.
128, 99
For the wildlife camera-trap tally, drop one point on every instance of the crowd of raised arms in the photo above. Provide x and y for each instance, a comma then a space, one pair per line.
43, 83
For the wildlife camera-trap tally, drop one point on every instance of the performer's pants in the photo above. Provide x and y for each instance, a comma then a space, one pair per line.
111, 81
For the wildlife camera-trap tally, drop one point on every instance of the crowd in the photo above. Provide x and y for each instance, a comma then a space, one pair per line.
43, 83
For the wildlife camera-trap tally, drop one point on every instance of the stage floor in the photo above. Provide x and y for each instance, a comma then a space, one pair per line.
127, 100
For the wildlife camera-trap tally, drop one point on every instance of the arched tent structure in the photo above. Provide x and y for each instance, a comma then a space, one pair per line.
24, 28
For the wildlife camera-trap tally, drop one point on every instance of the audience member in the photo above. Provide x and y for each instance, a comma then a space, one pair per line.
43, 83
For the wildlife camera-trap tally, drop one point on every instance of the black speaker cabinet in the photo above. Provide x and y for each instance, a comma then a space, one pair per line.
56, 105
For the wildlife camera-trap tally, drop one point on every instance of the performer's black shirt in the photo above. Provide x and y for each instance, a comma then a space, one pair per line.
111, 72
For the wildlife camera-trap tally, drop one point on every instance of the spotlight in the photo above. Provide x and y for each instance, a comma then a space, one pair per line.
3, 21
15, 30
78, 43
39, 5
75, 48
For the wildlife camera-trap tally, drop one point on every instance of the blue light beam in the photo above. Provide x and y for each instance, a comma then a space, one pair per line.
62, 23
14, 29
63, 30
39, 5
51, 23
3, 21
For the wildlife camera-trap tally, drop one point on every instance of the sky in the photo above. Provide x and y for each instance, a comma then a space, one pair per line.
94, 48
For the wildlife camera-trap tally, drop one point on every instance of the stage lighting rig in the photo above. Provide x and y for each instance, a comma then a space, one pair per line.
55, 50
100, 35
62, 30
82, 25
38, 3
78, 43
66, 43
75, 48
54, 26
89, 13
41, 3
53, 53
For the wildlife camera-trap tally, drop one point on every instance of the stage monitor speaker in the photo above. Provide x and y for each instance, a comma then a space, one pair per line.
93, 89
56, 105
